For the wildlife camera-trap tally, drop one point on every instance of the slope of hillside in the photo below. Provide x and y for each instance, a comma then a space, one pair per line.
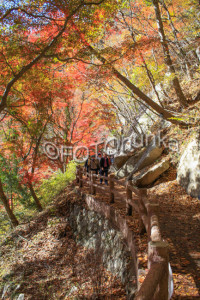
41, 260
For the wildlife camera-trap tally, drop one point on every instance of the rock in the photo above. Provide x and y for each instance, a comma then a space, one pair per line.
112, 169
20, 297
93, 231
119, 161
143, 159
188, 172
150, 174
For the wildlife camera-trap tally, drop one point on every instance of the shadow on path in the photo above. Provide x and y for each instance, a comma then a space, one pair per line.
179, 218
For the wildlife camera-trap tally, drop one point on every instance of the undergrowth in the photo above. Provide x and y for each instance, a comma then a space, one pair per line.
47, 192
51, 187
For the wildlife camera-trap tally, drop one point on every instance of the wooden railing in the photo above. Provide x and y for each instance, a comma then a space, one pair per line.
155, 285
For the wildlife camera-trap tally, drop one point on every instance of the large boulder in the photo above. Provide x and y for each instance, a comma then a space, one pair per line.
188, 172
138, 162
149, 174
119, 161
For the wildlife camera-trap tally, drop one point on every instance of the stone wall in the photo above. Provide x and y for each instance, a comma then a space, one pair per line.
92, 230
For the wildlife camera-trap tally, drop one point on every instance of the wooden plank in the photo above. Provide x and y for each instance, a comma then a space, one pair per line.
134, 189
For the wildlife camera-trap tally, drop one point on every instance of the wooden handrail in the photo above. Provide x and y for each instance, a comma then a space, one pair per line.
155, 285
103, 188
119, 182
134, 189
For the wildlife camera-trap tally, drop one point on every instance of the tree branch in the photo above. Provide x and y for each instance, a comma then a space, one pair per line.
9, 11
35, 60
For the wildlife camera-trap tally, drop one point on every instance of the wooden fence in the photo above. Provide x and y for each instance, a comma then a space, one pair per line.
155, 285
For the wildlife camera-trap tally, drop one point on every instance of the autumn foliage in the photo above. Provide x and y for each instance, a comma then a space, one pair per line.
72, 72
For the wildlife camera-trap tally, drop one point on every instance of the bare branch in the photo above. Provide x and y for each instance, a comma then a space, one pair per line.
7, 63
9, 11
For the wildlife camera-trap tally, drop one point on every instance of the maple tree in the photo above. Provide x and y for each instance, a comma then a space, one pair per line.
58, 56
144, 97
76, 71
142, 42
30, 31
50, 112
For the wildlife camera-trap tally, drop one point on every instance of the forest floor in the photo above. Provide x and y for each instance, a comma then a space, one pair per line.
41, 260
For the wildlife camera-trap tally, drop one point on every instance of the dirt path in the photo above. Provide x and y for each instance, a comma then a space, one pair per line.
180, 226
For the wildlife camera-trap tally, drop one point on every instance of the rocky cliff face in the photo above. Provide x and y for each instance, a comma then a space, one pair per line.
94, 231
188, 173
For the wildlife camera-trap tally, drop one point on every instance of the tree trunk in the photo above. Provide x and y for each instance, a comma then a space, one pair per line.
167, 57
182, 52
10, 214
33, 194
160, 110
151, 79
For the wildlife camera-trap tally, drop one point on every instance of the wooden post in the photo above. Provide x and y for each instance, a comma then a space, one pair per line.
111, 188
129, 208
158, 251
143, 192
80, 177
143, 211
92, 182
150, 284
153, 224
